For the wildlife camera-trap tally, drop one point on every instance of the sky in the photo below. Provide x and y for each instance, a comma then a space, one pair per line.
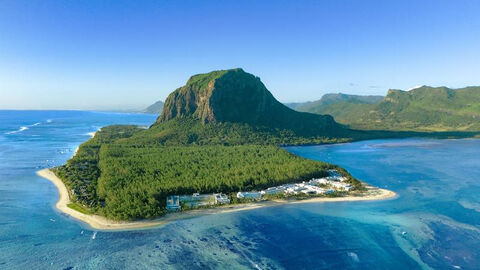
119, 55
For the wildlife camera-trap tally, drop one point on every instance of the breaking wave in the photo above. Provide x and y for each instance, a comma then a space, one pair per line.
22, 128
18, 130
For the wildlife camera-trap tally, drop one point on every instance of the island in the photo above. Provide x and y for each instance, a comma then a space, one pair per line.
216, 147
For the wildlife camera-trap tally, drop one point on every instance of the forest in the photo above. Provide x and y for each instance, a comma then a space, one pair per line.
123, 174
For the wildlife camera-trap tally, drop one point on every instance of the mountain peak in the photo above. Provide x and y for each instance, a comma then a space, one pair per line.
236, 96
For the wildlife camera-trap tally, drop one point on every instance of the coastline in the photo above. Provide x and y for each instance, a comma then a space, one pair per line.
102, 223
91, 134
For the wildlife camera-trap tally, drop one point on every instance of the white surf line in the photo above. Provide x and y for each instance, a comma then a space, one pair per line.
22, 128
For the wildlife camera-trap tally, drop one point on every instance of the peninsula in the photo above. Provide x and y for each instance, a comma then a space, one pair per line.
99, 222
218, 138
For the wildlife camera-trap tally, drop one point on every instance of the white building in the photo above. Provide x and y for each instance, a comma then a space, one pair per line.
195, 200
273, 190
221, 198
319, 181
341, 185
249, 195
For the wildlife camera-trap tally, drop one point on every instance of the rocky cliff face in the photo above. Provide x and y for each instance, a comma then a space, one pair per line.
237, 96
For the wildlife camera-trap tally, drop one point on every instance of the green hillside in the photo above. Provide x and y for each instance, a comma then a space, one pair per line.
421, 109
341, 106
426, 108
218, 133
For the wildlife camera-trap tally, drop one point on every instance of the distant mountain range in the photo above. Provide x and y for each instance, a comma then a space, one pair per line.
340, 106
421, 109
155, 108
330, 99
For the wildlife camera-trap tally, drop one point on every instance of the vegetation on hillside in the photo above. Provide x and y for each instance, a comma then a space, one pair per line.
236, 96
421, 109
341, 106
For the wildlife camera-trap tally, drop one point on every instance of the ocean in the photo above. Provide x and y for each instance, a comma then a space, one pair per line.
433, 223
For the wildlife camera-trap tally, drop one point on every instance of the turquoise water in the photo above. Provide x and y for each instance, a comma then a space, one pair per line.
433, 223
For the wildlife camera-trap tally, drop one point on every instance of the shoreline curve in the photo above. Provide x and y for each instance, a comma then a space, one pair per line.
102, 223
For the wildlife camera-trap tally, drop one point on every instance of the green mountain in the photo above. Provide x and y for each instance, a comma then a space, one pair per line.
218, 133
426, 108
421, 109
341, 106
238, 97
155, 108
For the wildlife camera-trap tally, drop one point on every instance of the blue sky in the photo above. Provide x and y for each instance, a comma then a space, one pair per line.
127, 54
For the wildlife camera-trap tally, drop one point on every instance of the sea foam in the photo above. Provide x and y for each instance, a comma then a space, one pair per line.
23, 128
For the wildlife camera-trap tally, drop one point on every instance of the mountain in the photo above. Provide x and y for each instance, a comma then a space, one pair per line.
329, 99
426, 108
235, 96
155, 108
219, 133
341, 106
295, 105
422, 108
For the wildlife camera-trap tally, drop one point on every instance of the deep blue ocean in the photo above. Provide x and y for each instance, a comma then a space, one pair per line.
434, 222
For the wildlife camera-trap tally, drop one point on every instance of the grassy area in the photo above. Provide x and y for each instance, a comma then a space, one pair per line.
79, 208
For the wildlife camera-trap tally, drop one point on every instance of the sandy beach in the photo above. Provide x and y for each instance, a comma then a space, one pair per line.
102, 223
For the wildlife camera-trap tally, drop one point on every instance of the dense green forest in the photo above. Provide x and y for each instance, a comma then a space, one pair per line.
420, 109
135, 181
125, 178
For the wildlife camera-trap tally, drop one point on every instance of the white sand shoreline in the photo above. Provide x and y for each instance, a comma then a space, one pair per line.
102, 223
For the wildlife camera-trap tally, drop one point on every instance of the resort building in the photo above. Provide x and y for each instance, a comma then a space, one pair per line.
173, 203
273, 190
195, 200
341, 185
249, 195
221, 198
334, 175
316, 186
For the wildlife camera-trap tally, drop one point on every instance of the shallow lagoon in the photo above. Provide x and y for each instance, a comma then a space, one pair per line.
434, 222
